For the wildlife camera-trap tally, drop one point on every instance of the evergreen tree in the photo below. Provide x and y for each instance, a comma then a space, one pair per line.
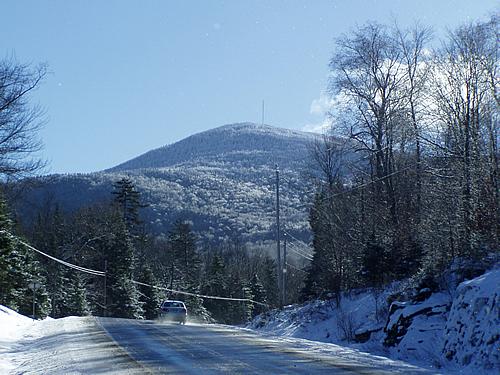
216, 285
49, 235
375, 264
259, 295
184, 260
270, 280
320, 266
12, 274
122, 294
19, 269
128, 199
149, 297
76, 297
186, 267
238, 311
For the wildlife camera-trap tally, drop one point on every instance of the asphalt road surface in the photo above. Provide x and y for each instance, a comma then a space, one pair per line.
170, 348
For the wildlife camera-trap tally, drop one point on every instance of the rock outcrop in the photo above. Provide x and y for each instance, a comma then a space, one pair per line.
472, 331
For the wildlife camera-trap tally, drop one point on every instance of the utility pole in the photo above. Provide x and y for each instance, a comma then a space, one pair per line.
279, 266
284, 268
105, 287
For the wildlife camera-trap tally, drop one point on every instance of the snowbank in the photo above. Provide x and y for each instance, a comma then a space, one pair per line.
12, 327
12, 324
323, 320
72, 345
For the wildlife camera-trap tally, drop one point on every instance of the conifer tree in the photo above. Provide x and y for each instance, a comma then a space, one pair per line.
186, 267
149, 297
49, 235
32, 268
259, 295
11, 272
122, 294
18, 269
128, 199
375, 264
75, 303
270, 281
216, 285
238, 311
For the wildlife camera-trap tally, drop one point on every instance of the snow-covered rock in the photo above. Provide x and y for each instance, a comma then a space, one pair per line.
414, 329
402, 315
472, 331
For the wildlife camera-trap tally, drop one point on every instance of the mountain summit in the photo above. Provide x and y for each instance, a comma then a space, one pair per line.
223, 180
237, 141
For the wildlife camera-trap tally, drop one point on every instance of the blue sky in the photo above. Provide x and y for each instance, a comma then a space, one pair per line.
130, 76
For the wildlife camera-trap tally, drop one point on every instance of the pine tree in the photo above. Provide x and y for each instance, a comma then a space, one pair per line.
238, 312
185, 262
19, 269
186, 267
49, 235
128, 199
270, 280
216, 285
122, 294
12, 274
259, 295
76, 297
321, 265
149, 297
375, 263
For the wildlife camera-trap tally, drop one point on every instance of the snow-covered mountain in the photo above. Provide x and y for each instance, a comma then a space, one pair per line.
223, 180
246, 144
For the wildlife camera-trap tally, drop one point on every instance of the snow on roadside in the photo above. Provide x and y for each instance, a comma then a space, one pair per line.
72, 345
12, 328
12, 324
322, 320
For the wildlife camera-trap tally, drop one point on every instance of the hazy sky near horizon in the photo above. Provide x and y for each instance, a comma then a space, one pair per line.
128, 76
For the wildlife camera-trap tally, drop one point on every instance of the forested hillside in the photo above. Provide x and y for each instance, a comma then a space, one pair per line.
223, 180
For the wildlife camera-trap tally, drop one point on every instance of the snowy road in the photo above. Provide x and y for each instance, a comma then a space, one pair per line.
215, 349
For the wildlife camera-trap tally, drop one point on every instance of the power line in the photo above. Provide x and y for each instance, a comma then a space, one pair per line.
302, 249
361, 186
296, 239
101, 273
200, 295
298, 252
67, 264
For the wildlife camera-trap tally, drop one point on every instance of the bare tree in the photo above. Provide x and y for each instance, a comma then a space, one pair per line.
367, 71
412, 43
466, 116
20, 121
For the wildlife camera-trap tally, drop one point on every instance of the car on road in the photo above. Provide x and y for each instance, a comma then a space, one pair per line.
174, 311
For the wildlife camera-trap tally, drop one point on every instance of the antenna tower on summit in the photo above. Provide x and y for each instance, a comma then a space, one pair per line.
262, 112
